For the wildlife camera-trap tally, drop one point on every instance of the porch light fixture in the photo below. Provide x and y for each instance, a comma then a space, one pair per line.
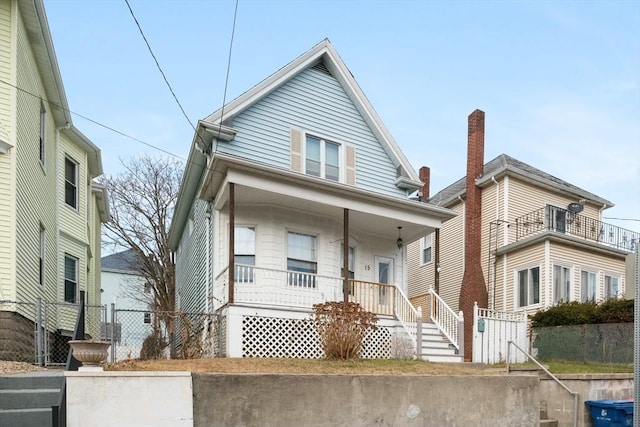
399, 241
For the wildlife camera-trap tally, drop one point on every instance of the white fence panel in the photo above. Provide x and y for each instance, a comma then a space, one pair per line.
492, 330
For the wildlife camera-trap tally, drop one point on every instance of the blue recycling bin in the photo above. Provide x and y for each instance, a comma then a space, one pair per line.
611, 413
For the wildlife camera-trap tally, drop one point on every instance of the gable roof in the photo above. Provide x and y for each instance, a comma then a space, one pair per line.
507, 165
324, 57
122, 262
35, 21
216, 125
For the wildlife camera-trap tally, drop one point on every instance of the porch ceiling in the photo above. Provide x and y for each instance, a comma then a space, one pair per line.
370, 213
360, 221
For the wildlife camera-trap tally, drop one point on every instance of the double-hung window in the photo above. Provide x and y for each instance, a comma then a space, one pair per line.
426, 249
528, 286
244, 253
588, 286
351, 263
322, 158
71, 183
561, 284
610, 286
70, 278
302, 263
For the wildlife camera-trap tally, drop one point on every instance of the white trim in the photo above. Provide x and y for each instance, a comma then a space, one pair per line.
516, 280
4, 146
342, 153
505, 208
548, 286
422, 248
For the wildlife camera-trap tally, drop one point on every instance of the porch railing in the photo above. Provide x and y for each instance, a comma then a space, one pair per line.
450, 323
552, 218
259, 285
377, 298
408, 316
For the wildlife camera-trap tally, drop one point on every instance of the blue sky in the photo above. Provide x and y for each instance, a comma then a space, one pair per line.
559, 81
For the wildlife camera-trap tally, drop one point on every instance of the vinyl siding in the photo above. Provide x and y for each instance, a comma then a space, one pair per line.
314, 102
273, 223
7, 161
72, 221
507, 283
525, 198
35, 185
578, 260
191, 261
452, 257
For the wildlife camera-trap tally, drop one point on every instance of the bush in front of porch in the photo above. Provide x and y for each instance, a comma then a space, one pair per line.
342, 327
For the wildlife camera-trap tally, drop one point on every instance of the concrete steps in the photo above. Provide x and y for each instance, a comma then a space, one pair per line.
26, 399
436, 348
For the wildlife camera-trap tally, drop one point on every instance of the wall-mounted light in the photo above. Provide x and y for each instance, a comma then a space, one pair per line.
438, 268
399, 241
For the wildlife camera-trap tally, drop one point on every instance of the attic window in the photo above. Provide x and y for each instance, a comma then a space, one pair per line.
320, 66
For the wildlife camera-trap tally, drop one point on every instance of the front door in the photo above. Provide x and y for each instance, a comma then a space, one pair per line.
384, 275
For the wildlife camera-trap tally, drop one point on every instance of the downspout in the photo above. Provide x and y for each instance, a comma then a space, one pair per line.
495, 258
464, 221
207, 262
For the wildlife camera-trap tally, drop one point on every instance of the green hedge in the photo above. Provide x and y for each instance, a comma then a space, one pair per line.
579, 313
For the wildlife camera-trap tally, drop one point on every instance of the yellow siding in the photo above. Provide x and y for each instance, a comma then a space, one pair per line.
506, 285
35, 185
7, 161
452, 258
578, 259
73, 221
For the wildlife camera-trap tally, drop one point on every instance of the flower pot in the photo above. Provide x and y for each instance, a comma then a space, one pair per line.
90, 353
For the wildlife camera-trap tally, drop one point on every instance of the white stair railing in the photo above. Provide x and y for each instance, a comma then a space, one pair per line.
449, 323
407, 314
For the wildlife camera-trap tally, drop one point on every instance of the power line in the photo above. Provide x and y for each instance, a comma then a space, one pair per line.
226, 81
621, 219
159, 67
155, 147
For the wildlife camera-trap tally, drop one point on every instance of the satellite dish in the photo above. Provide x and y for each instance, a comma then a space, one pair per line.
575, 207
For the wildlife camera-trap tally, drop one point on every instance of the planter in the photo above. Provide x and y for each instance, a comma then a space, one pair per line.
90, 353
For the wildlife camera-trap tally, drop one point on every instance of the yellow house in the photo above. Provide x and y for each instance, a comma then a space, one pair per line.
535, 239
50, 209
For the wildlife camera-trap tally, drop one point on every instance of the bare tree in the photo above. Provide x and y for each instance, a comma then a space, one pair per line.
142, 200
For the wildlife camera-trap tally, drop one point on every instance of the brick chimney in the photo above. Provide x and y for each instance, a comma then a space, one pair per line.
425, 177
474, 288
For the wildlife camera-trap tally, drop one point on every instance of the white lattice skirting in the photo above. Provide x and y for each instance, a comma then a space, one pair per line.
297, 338
290, 335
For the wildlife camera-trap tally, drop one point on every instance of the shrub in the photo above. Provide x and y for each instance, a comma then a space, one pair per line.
153, 346
579, 313
342, 327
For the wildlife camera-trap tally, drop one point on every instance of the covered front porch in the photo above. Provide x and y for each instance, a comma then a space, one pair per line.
278, 247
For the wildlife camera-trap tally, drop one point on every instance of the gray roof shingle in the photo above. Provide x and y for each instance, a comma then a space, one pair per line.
504, 164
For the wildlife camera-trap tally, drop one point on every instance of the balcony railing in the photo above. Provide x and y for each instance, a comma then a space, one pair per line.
552, 218
256, 285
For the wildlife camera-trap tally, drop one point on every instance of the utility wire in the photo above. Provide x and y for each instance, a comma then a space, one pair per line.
159, 67
226, 81
621, 219
155, 147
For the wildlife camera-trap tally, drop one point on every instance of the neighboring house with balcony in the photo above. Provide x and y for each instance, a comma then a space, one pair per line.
540, 239
51, 210
295, 193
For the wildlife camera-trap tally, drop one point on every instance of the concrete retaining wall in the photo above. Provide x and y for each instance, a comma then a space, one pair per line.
373, 400
559, 403
129, 399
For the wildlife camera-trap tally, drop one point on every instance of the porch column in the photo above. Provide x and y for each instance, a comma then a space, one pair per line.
345, 255
232, 229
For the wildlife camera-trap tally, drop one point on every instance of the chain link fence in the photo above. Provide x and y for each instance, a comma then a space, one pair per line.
143, 334
38, 332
